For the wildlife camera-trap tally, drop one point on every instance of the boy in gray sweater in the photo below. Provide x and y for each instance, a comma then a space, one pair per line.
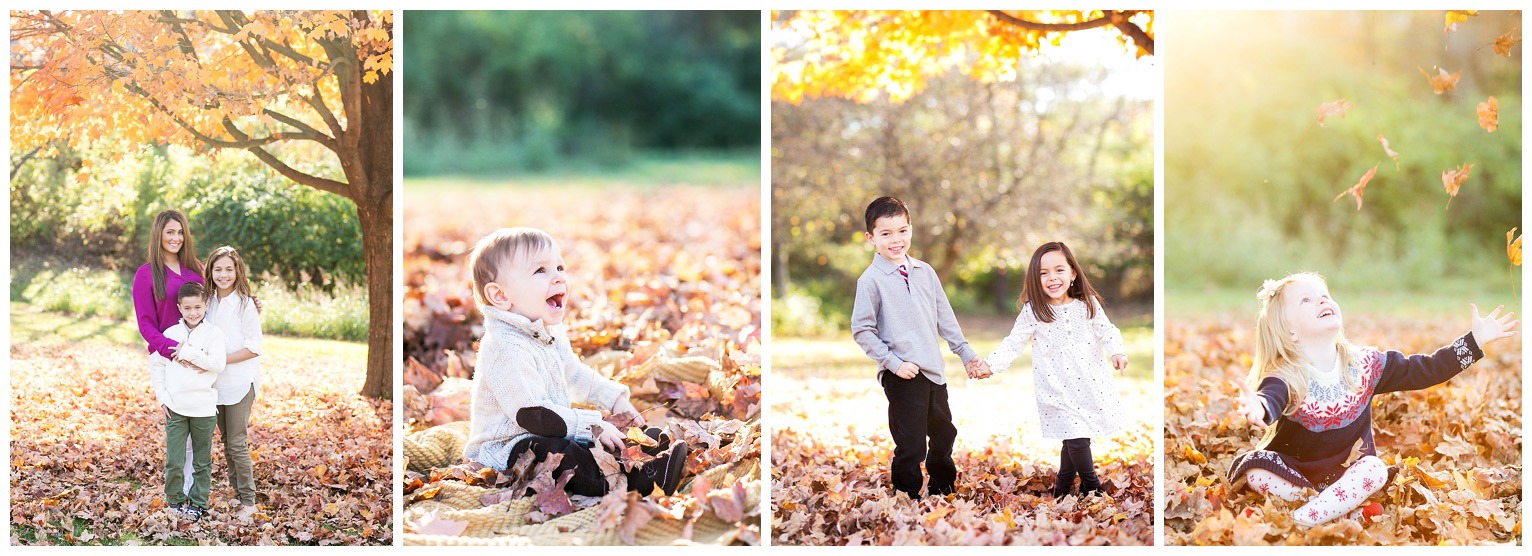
900, 311
527, 376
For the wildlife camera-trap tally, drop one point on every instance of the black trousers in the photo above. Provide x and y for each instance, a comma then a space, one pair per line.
917, 410
1075, 459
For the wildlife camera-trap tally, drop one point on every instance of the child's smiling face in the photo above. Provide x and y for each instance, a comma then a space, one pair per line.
192, 309
891, 235
224, 274
1309, 310
532, 285
1056, 275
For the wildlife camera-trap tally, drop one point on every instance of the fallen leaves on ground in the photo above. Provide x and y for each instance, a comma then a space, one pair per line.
88, 454
830, 452
1457, 446
658, 279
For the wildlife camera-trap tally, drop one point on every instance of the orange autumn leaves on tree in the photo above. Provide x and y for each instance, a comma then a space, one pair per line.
862, 55
201, 79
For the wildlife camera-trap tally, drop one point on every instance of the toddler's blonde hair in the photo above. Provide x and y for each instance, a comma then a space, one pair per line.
504, 244
1277, 354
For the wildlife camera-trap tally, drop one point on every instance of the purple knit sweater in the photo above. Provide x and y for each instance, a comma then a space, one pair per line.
154, 318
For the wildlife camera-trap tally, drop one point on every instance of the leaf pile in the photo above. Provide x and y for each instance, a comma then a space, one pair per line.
658, 279
88, 451
830, 452
1456, 447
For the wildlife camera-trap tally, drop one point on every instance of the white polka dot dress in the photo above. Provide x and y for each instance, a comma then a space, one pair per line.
1076, 395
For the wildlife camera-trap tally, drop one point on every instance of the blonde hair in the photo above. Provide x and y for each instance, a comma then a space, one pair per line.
499, 246
1277, 354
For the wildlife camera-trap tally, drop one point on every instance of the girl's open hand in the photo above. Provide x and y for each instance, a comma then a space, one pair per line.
1249, 405
607, 435
1493, 327
1120, 362
625, 407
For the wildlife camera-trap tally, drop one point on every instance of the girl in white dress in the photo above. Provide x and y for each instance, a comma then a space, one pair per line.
1072, 339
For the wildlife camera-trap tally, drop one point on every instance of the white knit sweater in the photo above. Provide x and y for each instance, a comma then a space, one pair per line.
187, 391
524, 364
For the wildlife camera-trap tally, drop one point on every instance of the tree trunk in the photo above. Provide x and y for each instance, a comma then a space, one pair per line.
375, 211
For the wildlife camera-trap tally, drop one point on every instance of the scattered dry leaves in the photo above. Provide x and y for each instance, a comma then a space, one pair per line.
1356, 190
1388, 151
1333, 109
1489, 114
1453, 179
88, 450
1442, 81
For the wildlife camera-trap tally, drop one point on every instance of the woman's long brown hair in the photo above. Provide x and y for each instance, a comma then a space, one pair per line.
187, 256
1032, 287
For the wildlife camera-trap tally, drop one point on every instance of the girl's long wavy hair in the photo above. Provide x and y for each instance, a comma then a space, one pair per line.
187, 257
241, 273
1032, 286
1277, 354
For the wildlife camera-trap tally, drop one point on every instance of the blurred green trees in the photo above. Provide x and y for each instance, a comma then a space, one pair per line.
1250, 178
489, 92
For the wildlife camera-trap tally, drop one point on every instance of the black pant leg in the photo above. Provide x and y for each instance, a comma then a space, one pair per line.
908, 404
587, 479
943, 433
1085, 465
1066, 478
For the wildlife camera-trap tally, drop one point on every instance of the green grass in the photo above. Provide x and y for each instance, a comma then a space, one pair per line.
1452, 298
81, 290
651, 170
33, 324
840, 357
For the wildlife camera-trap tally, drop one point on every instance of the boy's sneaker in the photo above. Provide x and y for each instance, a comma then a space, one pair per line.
193, 511
666, 470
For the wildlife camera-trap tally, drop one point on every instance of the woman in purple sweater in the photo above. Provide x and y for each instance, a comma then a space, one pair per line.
172, 262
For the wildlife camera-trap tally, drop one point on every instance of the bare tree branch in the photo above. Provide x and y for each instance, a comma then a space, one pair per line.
1051, 27
316, 182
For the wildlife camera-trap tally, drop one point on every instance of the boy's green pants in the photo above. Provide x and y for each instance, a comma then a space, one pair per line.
178, 428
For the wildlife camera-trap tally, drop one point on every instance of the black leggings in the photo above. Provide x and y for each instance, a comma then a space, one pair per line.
1075, 459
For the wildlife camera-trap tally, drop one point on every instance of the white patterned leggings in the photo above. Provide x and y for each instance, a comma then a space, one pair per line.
1366, 476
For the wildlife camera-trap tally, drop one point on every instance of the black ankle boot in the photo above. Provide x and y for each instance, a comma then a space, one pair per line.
665, 471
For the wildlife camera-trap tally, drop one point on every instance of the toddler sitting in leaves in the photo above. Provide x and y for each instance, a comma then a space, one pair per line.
528, 376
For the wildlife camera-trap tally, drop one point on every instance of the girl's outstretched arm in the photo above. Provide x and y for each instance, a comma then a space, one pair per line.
1493, 327
1010, 348
1413, 372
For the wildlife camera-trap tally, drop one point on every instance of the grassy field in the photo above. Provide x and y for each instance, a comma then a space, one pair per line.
82, 290
703, 169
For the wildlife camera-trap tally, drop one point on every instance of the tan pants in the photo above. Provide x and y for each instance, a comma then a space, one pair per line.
232, 423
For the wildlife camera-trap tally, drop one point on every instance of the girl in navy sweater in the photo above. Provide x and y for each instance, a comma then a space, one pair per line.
1313, 391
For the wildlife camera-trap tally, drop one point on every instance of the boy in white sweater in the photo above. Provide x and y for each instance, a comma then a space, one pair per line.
527, 375
184, 387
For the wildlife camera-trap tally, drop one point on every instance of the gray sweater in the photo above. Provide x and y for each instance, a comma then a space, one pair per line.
523, 364
895, 323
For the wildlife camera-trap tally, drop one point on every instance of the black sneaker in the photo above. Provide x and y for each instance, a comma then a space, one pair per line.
193, 511
666, 470
662, 439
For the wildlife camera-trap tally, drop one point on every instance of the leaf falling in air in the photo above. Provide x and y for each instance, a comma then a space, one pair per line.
1335, 109
1388, 151
1453, 179
1357, 189
1442, 81
1489, 114
1454, 17
1513, 247
1503, 44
